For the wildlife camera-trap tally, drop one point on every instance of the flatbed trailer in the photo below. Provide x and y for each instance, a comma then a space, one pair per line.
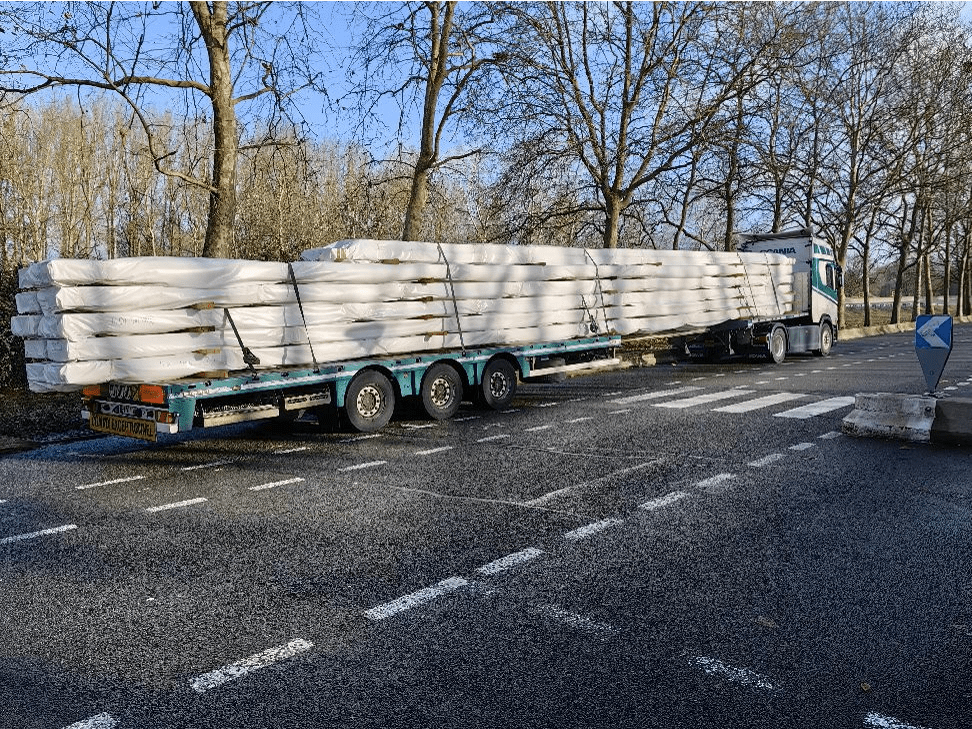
365, 391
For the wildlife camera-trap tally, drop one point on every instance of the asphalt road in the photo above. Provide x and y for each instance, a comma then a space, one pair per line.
680, 546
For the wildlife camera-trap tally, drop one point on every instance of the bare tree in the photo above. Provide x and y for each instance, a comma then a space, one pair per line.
627, 91
448, 52
219, 55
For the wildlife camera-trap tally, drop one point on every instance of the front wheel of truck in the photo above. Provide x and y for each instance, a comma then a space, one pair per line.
826, 340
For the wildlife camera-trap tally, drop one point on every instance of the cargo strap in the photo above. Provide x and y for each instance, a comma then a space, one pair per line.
772, 278
593, 318
452, 291
249, 358
300, 306
753, 308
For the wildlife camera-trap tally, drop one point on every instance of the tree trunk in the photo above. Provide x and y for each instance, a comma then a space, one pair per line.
865, 279
440, 29
417, 200
612, 218
947, 282
927, 282
222, 196
960, 309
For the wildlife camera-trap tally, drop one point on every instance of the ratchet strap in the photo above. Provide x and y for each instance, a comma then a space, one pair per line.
593, 319
300, 306
249, 358
452, 291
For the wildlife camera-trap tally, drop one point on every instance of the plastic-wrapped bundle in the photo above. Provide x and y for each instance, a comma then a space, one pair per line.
151, 319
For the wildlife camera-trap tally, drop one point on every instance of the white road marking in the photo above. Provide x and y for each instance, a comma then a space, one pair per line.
571, 619
540, 500
663, 501
578, 420
212, 464
357, 438
715, 481
360, 466
767, 460
99, 721
3, 501
109, 483
548, 404
264, 486
283, 451
176, 505
413, 599
509, 561
702, 399
430, 451
537, 428
41, 533
715, 667
760, 402
831, 435
802, 446
878, 721
655, 395
489, 438
817, 408
593, 528
419, 426
560, 492
465, 419
620, 412
211, 680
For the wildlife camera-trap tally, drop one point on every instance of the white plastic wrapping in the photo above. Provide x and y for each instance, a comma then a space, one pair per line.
152, 319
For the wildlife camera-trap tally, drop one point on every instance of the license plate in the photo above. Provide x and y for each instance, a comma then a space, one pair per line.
131, 427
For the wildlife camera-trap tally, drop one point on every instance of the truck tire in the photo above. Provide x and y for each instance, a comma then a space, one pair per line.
499, 384
826, 340
776, 344
441, 391
369, 401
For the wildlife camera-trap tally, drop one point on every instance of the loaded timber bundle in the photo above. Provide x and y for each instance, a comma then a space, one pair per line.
160, 319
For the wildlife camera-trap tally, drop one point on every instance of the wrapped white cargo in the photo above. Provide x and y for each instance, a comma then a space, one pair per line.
150, 319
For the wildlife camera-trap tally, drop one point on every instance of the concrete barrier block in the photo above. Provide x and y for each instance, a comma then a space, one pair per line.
892, 415
953, 421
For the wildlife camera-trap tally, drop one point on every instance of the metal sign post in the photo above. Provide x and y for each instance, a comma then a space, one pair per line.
933, 344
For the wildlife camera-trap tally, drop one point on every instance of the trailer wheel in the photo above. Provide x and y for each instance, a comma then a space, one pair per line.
499, 384
777, 345
826, 340
369, 401
441, 391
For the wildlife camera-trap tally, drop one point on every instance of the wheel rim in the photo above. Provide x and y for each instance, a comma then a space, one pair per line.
499, 385
441, 392
369, 401
779, 345
826, 339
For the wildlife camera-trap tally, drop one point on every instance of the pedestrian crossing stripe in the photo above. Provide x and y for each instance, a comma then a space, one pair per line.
777, 398
817, 408
761, 402
702, 399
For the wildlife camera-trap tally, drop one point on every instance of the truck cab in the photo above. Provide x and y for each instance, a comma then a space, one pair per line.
817, 277
810, 324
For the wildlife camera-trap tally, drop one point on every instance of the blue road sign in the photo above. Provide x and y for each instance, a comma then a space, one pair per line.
933, 344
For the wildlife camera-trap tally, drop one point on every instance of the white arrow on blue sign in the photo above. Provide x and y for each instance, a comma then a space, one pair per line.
933, 344
934, 332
